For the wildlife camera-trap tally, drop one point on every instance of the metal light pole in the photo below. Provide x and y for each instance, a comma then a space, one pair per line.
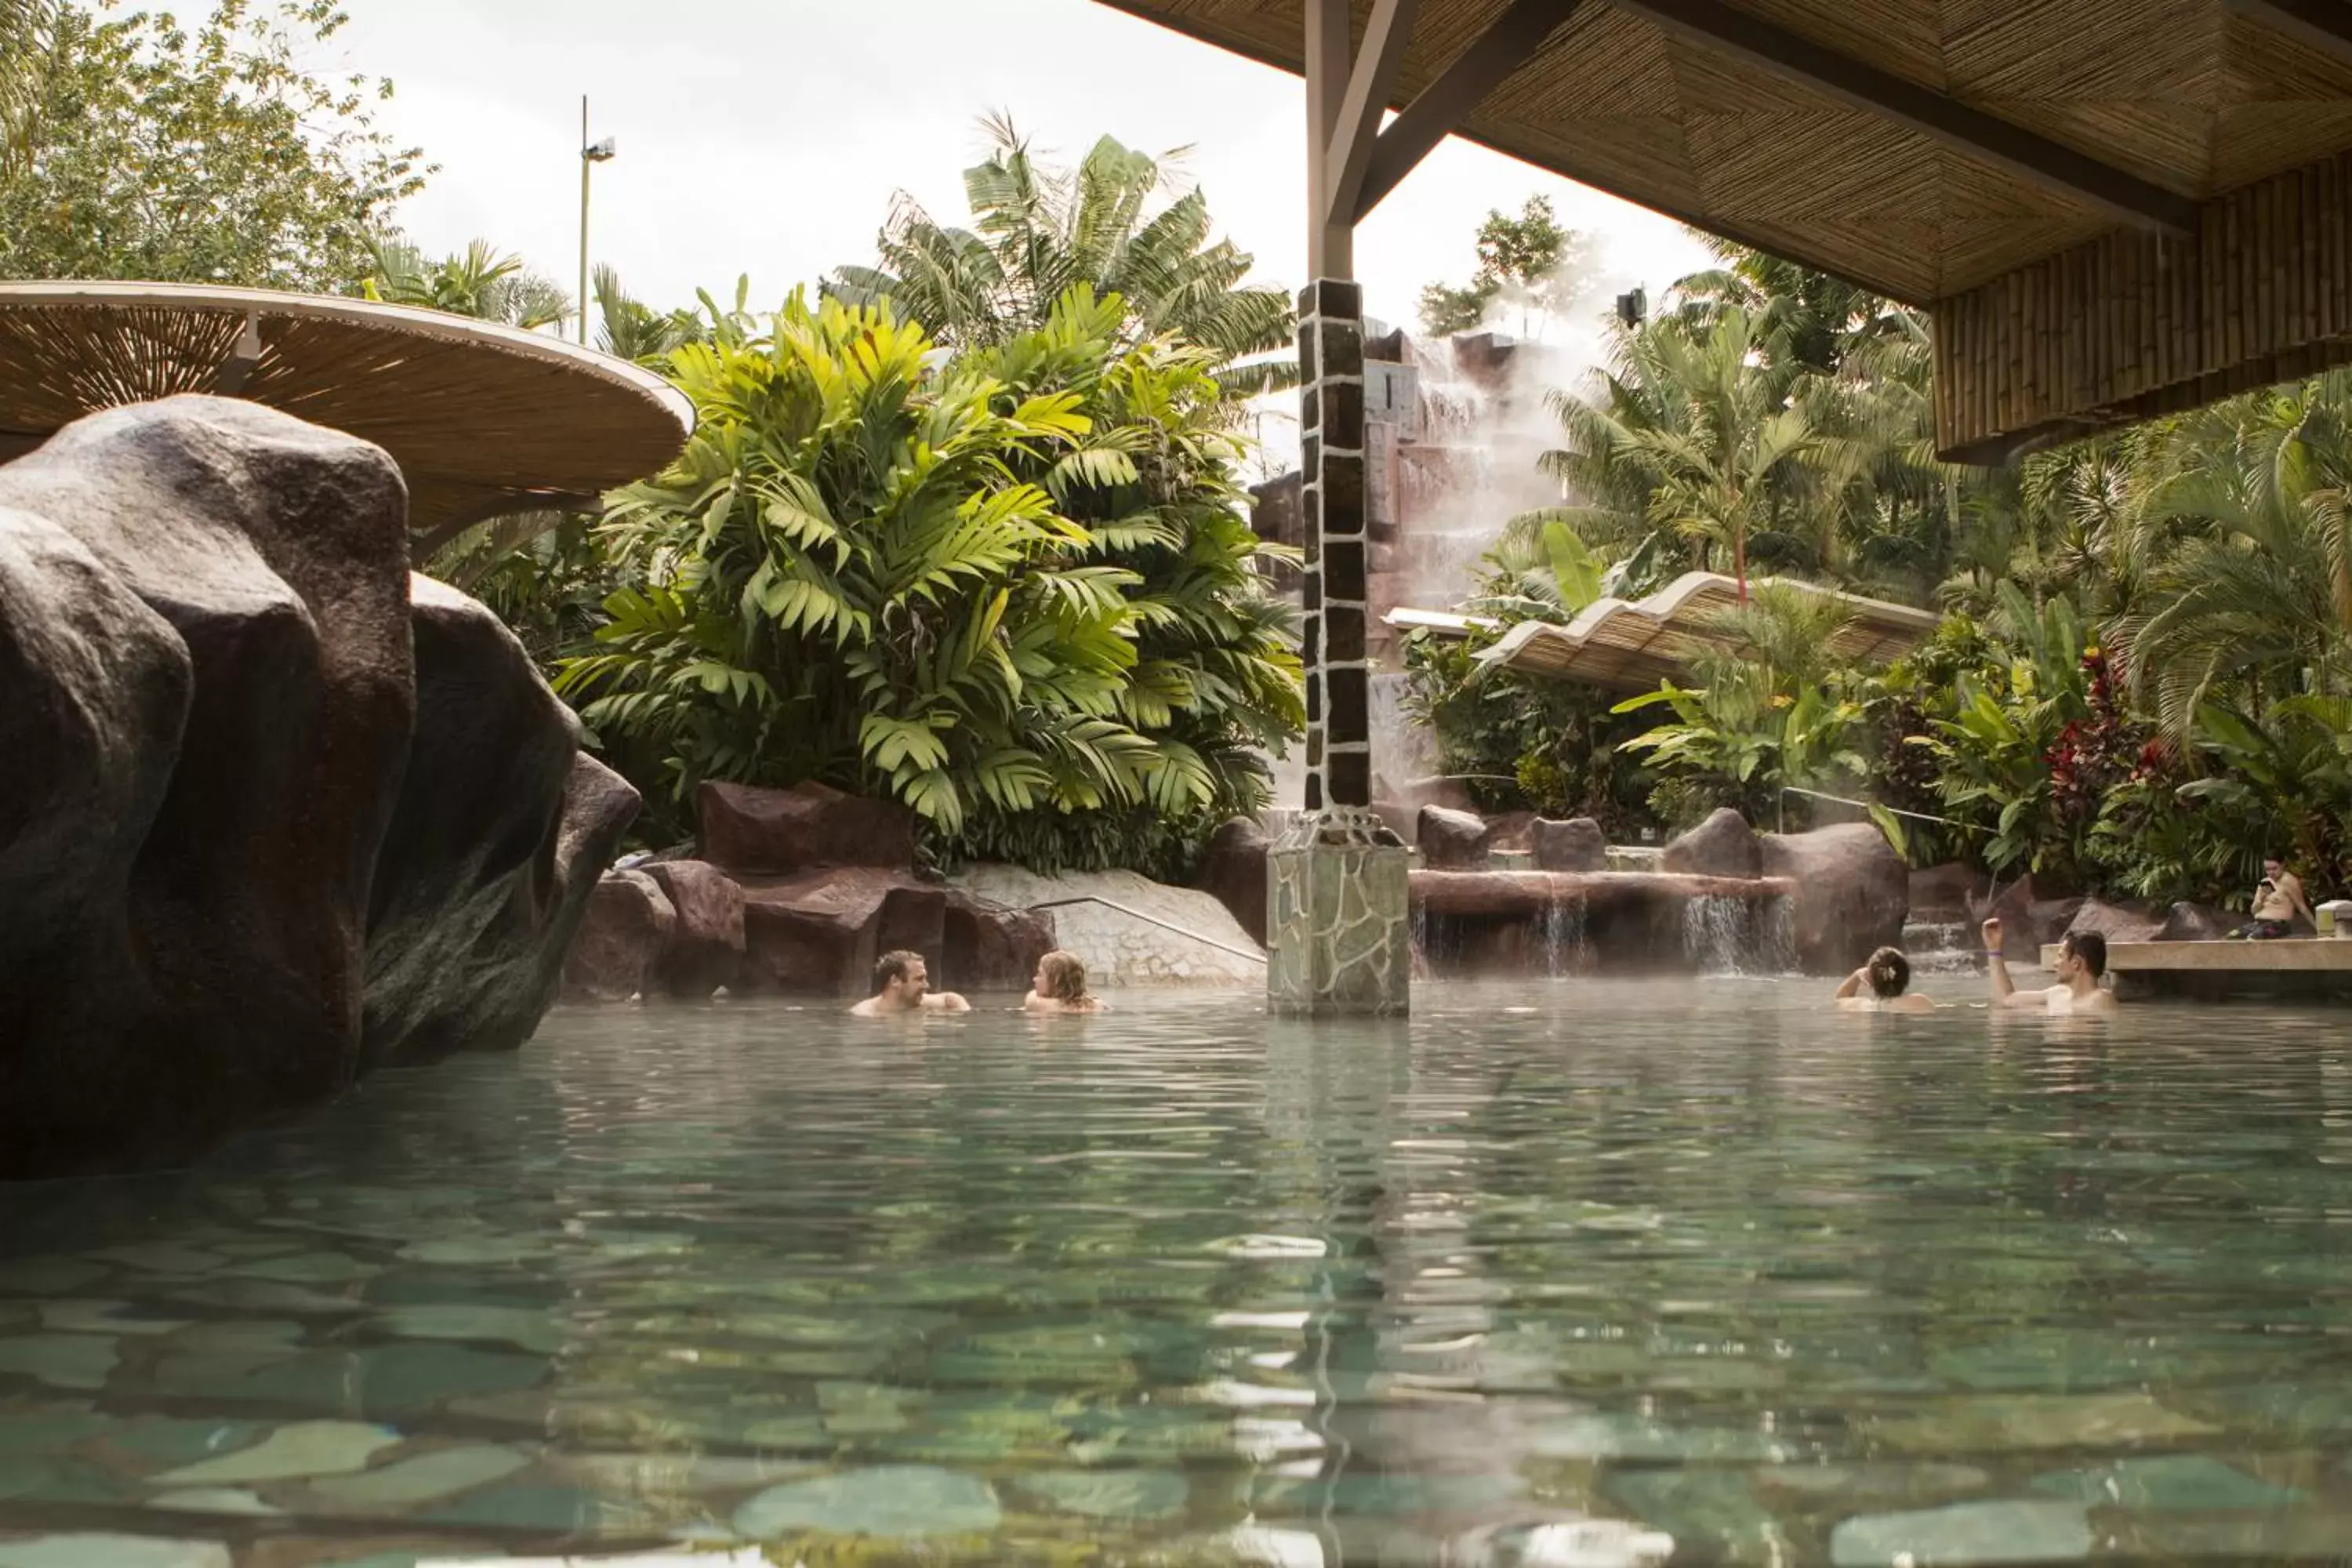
590, 154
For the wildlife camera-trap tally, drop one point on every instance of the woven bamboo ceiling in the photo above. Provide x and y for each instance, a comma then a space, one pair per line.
483, 419
2034, 164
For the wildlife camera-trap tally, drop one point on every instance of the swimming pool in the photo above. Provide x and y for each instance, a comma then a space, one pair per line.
1180, 1284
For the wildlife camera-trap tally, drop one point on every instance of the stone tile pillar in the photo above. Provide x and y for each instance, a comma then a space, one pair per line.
1336, 922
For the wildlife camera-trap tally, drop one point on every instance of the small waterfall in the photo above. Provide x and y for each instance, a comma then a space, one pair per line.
1739, 936
1941, 947
1566, 950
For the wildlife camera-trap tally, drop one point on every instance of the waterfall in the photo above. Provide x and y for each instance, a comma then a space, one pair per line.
1566, 952
1739, 936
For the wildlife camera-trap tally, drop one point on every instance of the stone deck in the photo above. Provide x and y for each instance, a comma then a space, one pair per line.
2295, 968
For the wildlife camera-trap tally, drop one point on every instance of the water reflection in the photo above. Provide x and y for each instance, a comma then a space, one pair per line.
1706, 1269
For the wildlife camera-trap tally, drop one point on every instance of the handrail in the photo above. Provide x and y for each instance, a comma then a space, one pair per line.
1150, 920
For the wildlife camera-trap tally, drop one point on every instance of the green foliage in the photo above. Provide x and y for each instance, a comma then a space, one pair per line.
1015, 594
1039, 231
1519, 743
137, 147
476, 282
1529, 262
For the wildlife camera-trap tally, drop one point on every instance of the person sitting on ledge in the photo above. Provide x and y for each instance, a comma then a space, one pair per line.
1060, 985
902, 983
1884, 977
2278, 904
2082, 959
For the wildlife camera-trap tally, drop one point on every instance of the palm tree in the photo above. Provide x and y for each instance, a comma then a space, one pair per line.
476, 282
2248, 522
1038, 231
633, 329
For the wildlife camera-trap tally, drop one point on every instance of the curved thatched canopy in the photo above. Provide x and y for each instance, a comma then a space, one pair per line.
482, 418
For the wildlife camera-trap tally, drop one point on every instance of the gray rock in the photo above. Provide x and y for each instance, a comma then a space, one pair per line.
235, 871
2187, 921
1452, 840
502, 829
1233, 869
1722, 846
2116, 923
1576, 845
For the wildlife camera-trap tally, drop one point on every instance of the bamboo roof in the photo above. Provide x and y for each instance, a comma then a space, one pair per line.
1920, 147
482, 418
1621, 645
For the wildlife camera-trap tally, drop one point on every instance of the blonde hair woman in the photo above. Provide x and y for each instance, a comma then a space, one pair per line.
1060, 985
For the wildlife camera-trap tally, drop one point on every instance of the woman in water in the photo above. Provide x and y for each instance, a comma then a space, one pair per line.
1878, 986
1060, 985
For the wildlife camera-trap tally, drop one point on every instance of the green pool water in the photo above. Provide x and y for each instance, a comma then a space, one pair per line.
1553, 1274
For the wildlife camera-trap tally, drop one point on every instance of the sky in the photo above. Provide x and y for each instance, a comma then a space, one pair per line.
769, 137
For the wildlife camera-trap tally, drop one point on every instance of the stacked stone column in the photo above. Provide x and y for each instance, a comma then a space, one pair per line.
1336, 922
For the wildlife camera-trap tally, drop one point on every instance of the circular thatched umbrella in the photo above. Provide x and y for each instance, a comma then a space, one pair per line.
483, 419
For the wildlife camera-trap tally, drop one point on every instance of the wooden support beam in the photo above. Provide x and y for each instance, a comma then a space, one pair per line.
1330, 61
2325, 26
2011, 148
1509, 43
1371, 84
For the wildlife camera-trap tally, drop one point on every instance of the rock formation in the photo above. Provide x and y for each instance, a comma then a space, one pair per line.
1852, 892
1576, 845
1452, 840
1722, 846
269, 820
1233, 869
623, 939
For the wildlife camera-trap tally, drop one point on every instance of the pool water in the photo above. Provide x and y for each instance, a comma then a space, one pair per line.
1553, 1274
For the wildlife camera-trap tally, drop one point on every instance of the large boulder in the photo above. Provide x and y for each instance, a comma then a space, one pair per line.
224, 874
1576, 845
622, 940
778, 832
1852, 892
1722, 846
501, 832
708, 951
2030, 918
1452, 840
1233, 869
819, 933
1947, 893
2187, 921
986, 946
2116, 923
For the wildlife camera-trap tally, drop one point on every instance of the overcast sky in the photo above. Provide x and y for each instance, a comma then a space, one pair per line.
768, 136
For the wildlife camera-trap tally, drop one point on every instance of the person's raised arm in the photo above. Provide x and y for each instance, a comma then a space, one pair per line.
2004, 989
1852, 986
947, 1002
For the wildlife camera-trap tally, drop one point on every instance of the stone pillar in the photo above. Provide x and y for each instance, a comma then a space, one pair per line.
1337, 921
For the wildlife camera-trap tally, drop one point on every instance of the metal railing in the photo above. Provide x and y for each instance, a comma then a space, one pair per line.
1149, 920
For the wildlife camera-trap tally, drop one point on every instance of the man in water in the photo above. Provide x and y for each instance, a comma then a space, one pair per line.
2278, 904
902, 984
1878, 986
2082, 959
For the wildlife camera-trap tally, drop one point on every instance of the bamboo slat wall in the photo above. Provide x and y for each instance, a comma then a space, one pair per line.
2128, 326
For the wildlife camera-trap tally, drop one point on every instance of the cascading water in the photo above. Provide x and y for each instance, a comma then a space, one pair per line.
1566, 950
1724, 936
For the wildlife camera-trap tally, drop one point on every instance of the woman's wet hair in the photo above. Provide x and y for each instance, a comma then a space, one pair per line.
1888, 973
1065, 975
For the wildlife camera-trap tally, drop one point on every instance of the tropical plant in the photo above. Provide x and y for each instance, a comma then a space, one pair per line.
628, 327
137, 147
1529, 262
477, 281
1038, 231
868, 574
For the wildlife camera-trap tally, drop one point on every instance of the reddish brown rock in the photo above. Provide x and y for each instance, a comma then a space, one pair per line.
1452, 840
707, 952
1948, 892
1722, 846
1519, 924
2030, 919
622, 940
2187, 921
1234, 871
2116, 923
986, 946
779, 832
820, 932
1510, 830
1852, 892
1576, 845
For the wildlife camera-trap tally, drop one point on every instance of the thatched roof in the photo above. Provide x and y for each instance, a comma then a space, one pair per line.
2173, 99
482, 418
1630, 645
2114, 207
